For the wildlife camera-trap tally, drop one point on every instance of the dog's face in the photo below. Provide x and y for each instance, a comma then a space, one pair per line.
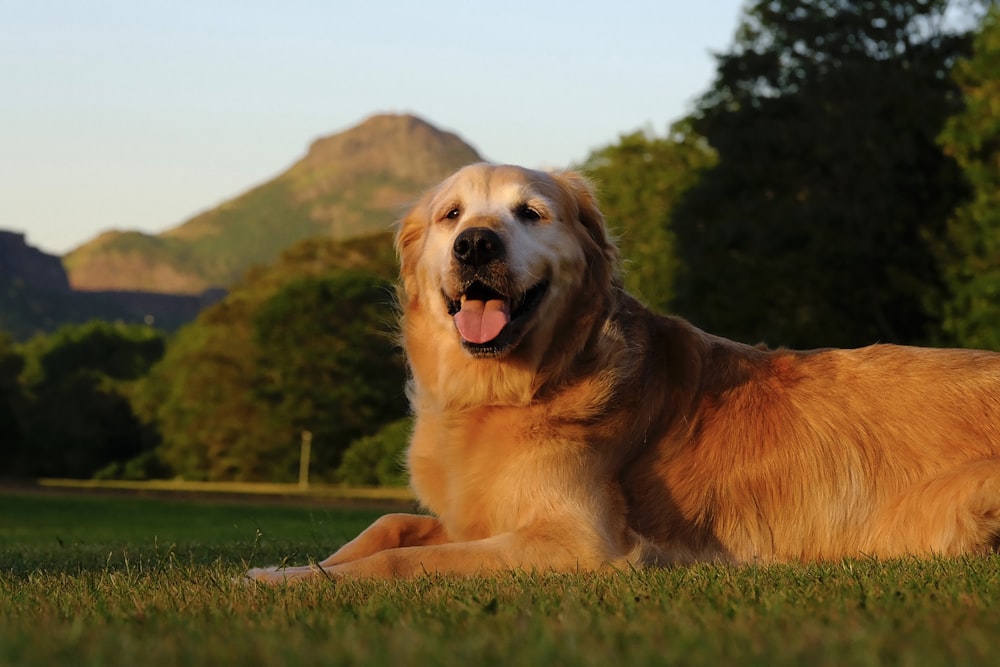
497, 259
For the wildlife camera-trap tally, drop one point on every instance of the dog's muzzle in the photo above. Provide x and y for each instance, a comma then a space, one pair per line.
489, 315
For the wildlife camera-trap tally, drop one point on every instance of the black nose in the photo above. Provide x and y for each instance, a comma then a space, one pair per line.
477, 246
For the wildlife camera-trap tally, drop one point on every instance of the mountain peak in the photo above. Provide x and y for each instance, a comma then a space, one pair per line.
402, 145
349, 184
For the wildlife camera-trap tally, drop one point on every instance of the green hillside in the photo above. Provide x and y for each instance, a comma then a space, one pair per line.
350, 184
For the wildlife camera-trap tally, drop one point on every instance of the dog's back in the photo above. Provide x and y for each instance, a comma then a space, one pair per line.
779, 455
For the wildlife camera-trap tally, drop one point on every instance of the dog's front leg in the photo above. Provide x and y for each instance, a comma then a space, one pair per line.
391, 531
544, 549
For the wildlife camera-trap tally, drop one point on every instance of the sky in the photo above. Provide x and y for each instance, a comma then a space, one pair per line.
123, 114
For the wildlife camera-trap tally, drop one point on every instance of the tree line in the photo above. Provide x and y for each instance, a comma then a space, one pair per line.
847, 181
301, 345
837, 185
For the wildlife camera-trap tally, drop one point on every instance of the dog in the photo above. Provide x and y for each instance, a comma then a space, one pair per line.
562, 426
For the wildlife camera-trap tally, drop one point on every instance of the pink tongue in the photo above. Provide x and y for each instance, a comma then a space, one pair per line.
482, 321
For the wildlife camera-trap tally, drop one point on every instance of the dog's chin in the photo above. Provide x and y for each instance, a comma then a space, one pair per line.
523, 311
498, 348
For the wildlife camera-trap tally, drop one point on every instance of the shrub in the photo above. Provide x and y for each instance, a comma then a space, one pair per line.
377, 460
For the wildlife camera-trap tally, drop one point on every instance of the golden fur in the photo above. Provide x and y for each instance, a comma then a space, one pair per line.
597, 434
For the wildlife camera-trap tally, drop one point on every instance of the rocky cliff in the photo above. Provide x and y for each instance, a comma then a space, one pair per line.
20, 263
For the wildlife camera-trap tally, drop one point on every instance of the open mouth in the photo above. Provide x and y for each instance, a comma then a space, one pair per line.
491, 323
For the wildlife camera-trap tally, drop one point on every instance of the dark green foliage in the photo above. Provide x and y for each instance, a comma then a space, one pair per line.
814, 226
199, 399
327, 362
971, 251
639, 181
114, 351
12, 401
378, 460
77, 418
303, 344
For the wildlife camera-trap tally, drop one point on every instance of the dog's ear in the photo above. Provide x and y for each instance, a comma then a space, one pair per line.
590, 216
410, 233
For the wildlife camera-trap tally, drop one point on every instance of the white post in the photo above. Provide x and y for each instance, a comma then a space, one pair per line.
304, 455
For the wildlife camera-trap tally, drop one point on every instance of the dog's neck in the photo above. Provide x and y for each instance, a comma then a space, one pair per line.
446, 378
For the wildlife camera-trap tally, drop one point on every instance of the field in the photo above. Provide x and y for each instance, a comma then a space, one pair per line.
138, 581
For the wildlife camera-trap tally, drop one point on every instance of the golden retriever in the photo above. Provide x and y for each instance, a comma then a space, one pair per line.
560, 425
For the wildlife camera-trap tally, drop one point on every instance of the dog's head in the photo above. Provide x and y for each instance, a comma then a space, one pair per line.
501, 268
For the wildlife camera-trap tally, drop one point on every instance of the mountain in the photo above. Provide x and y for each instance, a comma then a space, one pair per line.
350, 184
35, 296
21, 263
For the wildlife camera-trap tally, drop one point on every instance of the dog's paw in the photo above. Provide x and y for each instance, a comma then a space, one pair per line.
284, 575
263, 575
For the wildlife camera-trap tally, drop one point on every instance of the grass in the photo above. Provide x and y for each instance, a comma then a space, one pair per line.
115, 581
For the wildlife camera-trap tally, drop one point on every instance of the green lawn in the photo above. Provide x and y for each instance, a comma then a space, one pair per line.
132, 581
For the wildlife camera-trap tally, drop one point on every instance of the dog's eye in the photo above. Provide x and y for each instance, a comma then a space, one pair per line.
527, 213
453, 213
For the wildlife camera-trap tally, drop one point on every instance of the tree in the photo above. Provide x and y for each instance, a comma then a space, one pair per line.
971, 250
275, 357
78, 419
814, 226
12, 402
200, 399
378, 459
327, 361
639, 181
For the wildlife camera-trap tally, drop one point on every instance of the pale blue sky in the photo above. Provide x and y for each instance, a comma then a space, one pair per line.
136, 115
